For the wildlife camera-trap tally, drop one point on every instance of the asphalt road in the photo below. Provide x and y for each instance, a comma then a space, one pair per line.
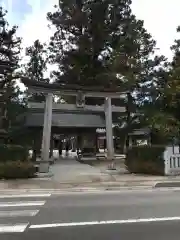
104, 215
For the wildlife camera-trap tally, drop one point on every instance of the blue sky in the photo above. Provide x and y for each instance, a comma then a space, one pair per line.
160, 18
18, 9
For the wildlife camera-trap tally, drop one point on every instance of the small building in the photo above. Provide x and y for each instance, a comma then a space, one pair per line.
140, 136
78, 125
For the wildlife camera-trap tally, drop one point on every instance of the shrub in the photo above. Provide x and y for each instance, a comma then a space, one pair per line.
88, 150
145, 160
13, 153
17, 169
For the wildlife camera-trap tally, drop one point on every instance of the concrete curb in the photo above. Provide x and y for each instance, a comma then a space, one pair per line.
168, 184
92, 188
76, 189
70, 190
56, 192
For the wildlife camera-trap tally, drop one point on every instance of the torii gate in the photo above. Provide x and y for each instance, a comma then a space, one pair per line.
80, 93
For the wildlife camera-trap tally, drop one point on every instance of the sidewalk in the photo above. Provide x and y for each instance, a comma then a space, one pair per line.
70, 174
125, 181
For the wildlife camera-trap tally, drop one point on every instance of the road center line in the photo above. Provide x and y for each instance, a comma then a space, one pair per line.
21, 204
24, 195
110, 222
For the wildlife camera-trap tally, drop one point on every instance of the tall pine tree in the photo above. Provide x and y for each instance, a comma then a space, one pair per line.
36, 66
86, 34
171, 97
101, 43
9, 63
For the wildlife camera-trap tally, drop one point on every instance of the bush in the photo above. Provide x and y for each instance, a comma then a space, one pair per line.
88, 151
17, 169
145, 160
13, 153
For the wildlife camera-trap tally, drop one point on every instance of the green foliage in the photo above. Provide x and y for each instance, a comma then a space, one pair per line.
88, 150
164, 125
17, 170
10, 49
173, 83
97, 43
90, 50
37, 62
170, 97
36, 67
101, 43
13, 153
9, 64
85, 32
145, 160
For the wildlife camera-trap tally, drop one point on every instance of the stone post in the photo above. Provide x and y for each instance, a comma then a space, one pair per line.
51, 155
109, 131
44, 165
97, 142
130, 141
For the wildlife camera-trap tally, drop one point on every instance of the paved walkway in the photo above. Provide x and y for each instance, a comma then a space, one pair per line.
71, 171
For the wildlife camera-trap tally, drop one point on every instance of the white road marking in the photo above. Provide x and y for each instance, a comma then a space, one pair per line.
24, 195
74, 224
21, 204
17, 228
20, 213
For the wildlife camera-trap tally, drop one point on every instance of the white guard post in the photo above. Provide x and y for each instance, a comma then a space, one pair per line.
44, 164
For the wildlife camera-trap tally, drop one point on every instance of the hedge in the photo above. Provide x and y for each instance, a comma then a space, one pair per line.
13, 153
17, 170
145, 160
88, 150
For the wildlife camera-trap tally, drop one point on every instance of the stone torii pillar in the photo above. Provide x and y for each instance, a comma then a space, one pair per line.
109, 131
44, 164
